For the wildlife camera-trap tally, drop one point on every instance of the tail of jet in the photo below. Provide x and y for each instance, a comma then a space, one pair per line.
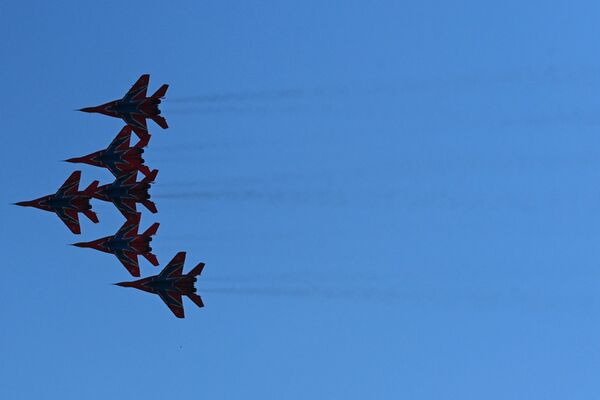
91, 190
197, 270
152, 230
160, 121
150, 206
91, 215
150, 177
161, 92
193, 296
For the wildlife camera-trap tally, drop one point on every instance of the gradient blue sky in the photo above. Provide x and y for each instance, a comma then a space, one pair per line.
393, 200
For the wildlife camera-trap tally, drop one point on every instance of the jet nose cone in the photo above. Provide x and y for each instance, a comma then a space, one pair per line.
87, 109
125, 284
73, 160
23, 203
81, 244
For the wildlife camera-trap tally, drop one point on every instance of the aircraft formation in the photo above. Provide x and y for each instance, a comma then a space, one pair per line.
125, 192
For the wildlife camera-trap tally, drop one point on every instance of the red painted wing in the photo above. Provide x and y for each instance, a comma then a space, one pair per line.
139, 88
71, 185
174, 267
70, 218
128, 178
173, 301
130, 261
130, 227
122, 140
140, 121
127, 208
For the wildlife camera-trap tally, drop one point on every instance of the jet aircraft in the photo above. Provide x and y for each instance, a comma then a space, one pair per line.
127, 244
119, 158
125, 192
67, 202
171, 284
135, 107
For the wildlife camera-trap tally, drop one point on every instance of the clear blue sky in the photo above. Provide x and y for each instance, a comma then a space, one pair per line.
393, 201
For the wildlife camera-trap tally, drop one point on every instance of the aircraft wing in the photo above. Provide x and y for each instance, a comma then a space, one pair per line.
174, 301
128, 178
139, 125
70, 218
139, 88
121, 141
126, 207
174, 267
130, 227
130, 260
71, 185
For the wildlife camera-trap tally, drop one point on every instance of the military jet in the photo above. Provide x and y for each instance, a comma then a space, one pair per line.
125, 192
135, 107
119, 158
127, 244
171, 284
67, 202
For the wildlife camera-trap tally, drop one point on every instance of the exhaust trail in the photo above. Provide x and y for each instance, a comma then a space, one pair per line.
241, 96
481, 300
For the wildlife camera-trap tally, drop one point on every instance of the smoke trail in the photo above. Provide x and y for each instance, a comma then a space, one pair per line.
466, 81
476, 298
296, 197
385, 295
241, 96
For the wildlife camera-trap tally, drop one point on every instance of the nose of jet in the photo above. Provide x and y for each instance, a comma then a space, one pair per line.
87, 109
82, 244
73, 160
24, 203
125, 284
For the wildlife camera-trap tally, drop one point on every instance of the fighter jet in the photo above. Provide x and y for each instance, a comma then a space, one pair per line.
124, 192
67, 202
119, 158
126, 244
135, 107
170, 284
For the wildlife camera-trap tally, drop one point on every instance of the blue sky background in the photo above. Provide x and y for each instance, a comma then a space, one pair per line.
393, 200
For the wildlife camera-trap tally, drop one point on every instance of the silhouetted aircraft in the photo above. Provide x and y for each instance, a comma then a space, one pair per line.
171, 284
126, 244
119, 158
67, 202
135, 107
124, 192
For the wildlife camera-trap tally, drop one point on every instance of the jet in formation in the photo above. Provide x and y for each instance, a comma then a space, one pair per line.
127, 244
135, 107
125, 192
119, 158
67, 202
171, 284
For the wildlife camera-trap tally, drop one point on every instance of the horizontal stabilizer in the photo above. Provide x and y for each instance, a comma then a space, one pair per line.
150, 206
152, 258
91, 215
91, 190
161, 92
152, 230
197, 270
160, 121
151, 177
196, 299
